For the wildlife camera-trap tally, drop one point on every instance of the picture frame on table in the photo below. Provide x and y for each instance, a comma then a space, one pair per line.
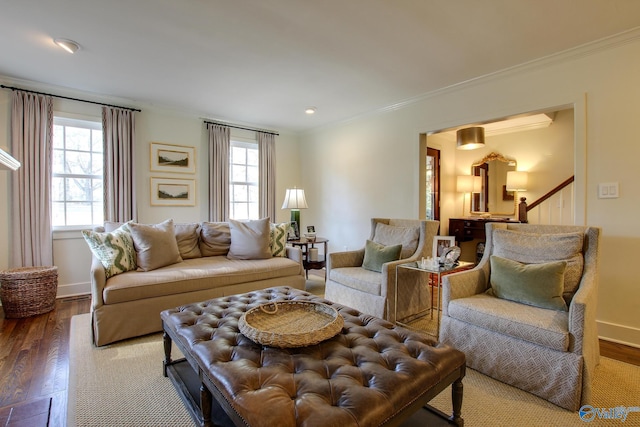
173, 192
440, 243
294, 231
172, 158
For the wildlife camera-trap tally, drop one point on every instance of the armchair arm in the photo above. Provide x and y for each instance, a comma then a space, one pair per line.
98, 281
464, 284
582, 313
345, 259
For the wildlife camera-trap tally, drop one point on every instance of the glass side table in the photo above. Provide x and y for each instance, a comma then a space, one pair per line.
435, 281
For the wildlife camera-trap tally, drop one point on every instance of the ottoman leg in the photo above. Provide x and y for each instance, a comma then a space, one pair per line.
205, 404
456, 400
166, 339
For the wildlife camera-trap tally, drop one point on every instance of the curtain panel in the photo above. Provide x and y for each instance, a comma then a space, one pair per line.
118, 126
32, 145
219, 146
267, 195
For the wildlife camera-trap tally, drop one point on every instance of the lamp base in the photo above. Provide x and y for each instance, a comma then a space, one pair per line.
295, 217
522, 210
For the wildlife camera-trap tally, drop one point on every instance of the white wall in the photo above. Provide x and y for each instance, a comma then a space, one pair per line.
153, 124
368, 166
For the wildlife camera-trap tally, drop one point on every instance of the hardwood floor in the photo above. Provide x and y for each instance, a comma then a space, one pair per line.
34, 357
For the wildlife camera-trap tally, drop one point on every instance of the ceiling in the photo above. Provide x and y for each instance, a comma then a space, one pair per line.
264, 61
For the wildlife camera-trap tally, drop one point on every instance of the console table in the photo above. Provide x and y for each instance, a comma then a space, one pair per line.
467, 229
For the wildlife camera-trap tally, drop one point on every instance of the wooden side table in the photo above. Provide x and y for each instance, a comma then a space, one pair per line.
306, 246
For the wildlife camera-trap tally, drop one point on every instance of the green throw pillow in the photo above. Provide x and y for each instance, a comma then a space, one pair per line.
278, 239
376, 254
114, 250
539, 285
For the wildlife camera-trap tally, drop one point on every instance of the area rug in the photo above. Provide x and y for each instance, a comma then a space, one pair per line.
122, 385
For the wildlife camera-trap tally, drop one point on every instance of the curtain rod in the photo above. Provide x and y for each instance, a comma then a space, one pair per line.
241, 127
67, 97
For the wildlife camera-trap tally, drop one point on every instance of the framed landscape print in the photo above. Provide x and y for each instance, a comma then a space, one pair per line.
172, 158
173, 192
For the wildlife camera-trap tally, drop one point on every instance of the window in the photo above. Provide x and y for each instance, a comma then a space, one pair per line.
76, 193
243, 180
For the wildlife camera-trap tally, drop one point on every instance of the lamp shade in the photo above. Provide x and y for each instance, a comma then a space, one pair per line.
470, 138
517, 181
464, 183
294, 199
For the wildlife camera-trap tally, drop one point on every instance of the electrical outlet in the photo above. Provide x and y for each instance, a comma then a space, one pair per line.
608, 190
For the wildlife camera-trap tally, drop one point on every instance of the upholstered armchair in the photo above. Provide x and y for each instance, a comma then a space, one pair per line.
351, 284
525, 315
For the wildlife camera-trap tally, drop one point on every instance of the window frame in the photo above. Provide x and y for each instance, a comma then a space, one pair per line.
248, 143
78, 121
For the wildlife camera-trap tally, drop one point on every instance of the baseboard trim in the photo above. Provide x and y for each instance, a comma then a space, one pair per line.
73, 289
620, 334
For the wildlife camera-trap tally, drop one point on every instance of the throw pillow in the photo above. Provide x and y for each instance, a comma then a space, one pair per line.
215, 238
187, 240
533, 248
376, 254
278, 239
155, 244
392, 235
114, 250
539, 285
249, 240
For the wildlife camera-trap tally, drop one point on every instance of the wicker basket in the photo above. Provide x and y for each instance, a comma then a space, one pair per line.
288, 324
28, 291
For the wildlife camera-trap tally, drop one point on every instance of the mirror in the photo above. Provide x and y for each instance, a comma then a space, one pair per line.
493, 198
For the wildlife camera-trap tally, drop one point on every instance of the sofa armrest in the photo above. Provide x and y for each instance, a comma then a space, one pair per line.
294, 253
98, 282
464, 284
345, 259
582, 312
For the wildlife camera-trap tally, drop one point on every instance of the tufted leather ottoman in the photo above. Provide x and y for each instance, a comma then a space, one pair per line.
372, 373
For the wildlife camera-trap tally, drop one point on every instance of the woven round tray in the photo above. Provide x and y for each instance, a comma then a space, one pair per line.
288, 324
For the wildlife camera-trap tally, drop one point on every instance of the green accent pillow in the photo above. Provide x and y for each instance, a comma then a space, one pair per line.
539, 285
278, 239
376, 254
114, 250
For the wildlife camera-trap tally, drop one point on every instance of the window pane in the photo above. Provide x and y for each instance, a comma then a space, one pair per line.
253, 211
238, 173
77, 138
96, 140
97, 191
58, 136
58, 161
96, 164
78, 163
57, 189
254, 194
98, 214
78, 213
79, 189
57, 214
252, 174
238, 155
252, 157
240, 193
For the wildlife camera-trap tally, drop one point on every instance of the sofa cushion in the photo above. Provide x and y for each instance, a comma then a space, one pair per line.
539, 285
376, 254
278, 239
215, 238
114, 250
532, 248
249, 239
358, 278
193, 275
187, 238
392, 235
155, 244
548, 328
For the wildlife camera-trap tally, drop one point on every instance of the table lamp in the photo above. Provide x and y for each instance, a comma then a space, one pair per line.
294, 199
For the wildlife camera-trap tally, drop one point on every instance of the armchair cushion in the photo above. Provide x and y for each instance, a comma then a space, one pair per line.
391, 235
376, 254
531, 248
539, 285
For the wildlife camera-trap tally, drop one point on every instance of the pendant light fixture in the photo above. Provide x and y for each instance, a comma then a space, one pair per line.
470, 138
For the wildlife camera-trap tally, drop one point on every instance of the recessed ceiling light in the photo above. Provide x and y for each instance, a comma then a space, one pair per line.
68, 45
310, 110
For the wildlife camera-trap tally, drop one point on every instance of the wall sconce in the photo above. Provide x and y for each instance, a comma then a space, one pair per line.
294, 199
470, 138
519, 181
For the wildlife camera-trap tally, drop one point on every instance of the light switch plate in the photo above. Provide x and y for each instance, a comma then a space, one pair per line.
608, 190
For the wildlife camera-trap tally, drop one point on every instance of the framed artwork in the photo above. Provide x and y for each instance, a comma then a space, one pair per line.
440, 243
172, 158
173, 192
311, 229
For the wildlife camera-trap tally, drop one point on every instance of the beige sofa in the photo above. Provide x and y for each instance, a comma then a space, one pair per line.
128, 304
